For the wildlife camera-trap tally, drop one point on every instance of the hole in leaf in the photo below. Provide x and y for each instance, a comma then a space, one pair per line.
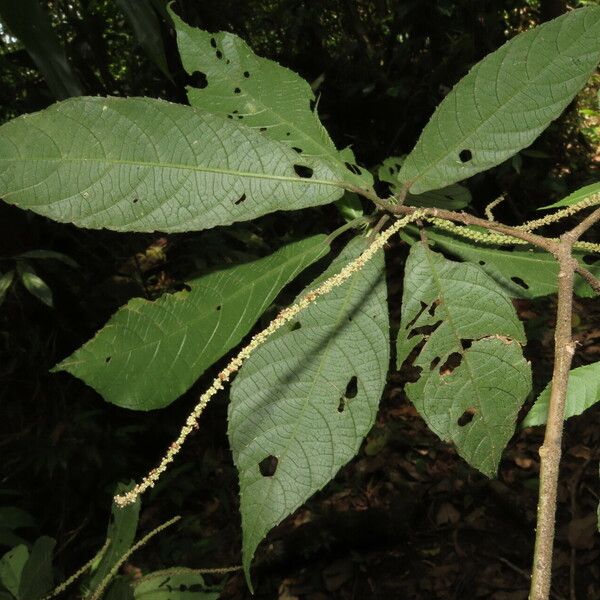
424, 330
520, 282
392, 170
136, 200
342, 405
230, 116
431, 310
108, 359
411, 323
298, 150
182, 287
262, 129
213, 42
303, 171
246, 74
237, 91
219, 54
452, 363
482, 262
312, 105
351, 388
296, 326
466, 417
288, 134
268, 466
240, 116
198, 80
235, 112
218, 307
240, 199
434, 363
352, 168
448, 197
465, 156
466, 344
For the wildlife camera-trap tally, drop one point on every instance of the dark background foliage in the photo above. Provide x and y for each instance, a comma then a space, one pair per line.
379, 68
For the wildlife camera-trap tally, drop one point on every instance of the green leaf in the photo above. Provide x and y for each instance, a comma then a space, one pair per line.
473, 377
505, 101
48, 255
121, 533
34, 284
350, 207
260, 93
150, 353
6, 280
136, 164
576, 197
166, 585
142, 16
30, 22
304, 401
37, 578
520, 273
11, 569
451, 197
13, 517
583, 391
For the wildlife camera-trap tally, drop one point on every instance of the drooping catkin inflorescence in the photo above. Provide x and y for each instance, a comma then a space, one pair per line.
285, 316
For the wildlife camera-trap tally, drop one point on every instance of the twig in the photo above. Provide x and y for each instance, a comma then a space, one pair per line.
589, 277
550, 452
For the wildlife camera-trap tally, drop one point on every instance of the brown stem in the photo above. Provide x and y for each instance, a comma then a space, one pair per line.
589, 277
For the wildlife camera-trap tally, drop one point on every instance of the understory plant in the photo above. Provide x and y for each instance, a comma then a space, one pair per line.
307, 387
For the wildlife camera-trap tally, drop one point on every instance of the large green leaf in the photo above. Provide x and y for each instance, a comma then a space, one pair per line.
11, 568
136, 164
30, 22
521, 273
150, 353
144, 20
577, 196
303, 402
121, 533
583, 392
505, 101
261, 94
166, 585
473, 377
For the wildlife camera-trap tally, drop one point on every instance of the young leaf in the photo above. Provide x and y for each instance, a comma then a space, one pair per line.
583, 392
150, 353
520, 273
238, 85
451, 197
121, 533
136, 164
11, 568
34, 284
577, 196
473, 377
6, 280
166, 585
505, 101
37, 578
304, 401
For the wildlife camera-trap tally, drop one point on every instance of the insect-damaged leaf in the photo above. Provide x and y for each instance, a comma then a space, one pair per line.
505, 101
136, 164
303, 402
231, 81
473, 377
150, 353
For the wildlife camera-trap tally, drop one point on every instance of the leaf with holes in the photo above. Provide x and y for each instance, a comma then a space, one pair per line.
303, 402
577, 196
231, 81
451, 197
506, 101
520, 273
583, 392
473, 377
150, 353
136, 164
